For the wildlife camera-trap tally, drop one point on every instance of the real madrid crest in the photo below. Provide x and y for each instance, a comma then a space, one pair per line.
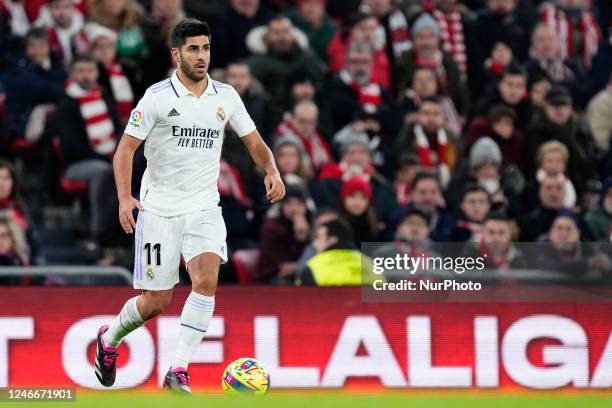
150, 274
221, 114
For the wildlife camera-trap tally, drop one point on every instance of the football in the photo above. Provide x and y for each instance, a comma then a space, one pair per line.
245, 376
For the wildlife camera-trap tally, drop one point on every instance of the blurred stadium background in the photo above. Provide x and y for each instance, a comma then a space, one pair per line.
482, 123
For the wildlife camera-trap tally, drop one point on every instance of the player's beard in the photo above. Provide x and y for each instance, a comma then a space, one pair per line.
190, 71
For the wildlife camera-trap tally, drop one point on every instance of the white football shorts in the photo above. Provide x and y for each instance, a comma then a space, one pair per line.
160, 241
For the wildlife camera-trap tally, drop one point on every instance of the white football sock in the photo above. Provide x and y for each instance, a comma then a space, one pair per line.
126, 322
195, 318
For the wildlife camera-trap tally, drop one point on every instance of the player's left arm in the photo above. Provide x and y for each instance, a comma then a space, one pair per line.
263, 157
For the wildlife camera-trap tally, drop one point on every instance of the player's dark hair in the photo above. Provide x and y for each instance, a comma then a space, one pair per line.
424, 175
188, 27
341, 230
473, 188
83, 58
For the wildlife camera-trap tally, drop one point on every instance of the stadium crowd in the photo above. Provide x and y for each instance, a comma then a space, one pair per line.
476, 121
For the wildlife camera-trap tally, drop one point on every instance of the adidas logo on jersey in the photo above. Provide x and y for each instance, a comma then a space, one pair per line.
173, 112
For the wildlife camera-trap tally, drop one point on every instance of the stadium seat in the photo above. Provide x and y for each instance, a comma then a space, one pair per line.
245, 261
73, 187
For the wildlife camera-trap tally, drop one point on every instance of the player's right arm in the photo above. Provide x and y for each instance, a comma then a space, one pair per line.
122, 166
142, 120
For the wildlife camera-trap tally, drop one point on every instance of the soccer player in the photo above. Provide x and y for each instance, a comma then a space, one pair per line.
182, 122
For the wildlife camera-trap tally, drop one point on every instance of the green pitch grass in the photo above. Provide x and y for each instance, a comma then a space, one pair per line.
444, 399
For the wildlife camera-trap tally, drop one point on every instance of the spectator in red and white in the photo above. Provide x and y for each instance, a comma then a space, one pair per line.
577, 30
15, 18
352, 88
511, 91
501, 21
302, 124
361, 27
34, 84
425, 84
474, 206
310, 17
500, 125
459, 37
546, 61
355, 160
88, 127
436, 146
352, 91
393, 28
64, 24
356, 208
427, 51
113, 76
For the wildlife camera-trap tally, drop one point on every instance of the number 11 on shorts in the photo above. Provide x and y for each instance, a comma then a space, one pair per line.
153, 248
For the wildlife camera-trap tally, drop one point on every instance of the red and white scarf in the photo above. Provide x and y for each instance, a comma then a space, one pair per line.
98, 124
65, 44
423, 149
230, 184
369, 94
453, 39
400, 37
398, 28
122, 90
587, 25
317, 148
474, 227
402, 192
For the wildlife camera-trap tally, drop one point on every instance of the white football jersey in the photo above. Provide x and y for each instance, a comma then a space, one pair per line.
183, 137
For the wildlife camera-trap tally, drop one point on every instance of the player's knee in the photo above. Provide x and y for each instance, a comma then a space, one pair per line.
205, 283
